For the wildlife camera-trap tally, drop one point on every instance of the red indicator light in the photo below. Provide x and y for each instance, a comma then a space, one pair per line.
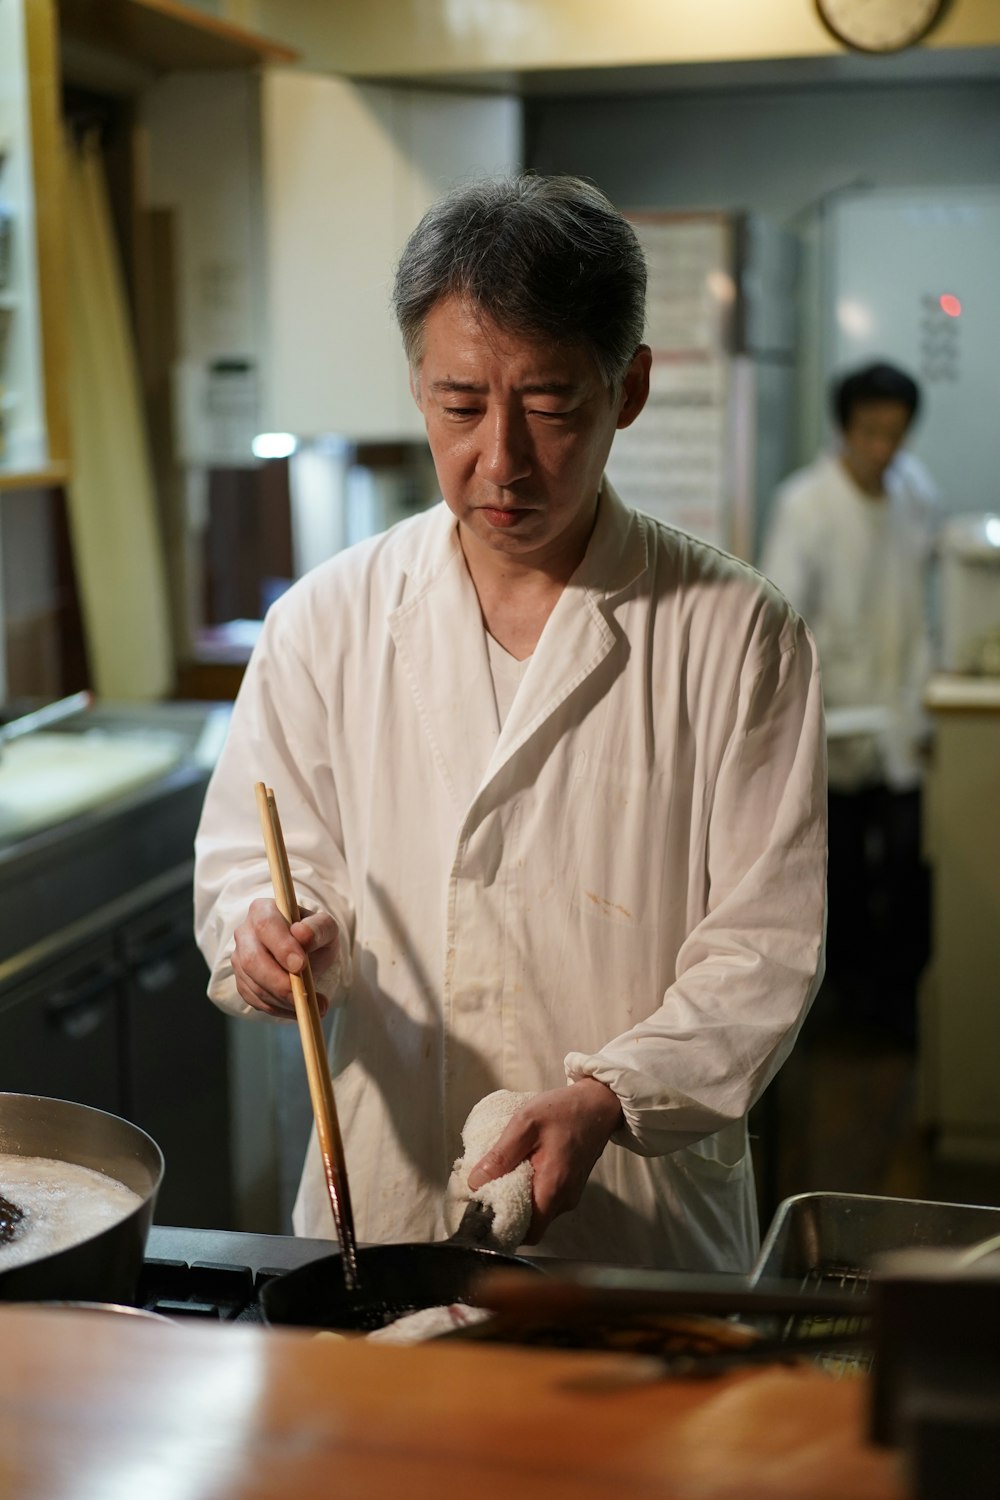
950, 305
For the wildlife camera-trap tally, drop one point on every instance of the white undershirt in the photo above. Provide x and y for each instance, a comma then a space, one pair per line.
507, 673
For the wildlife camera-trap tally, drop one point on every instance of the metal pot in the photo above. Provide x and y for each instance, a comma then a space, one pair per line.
107, 1309
393, 1280
105, 1267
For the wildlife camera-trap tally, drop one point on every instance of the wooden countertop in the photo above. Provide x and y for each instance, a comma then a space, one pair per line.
102, 1408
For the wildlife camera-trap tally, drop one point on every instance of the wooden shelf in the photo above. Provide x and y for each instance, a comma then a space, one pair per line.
164, 35
46, 478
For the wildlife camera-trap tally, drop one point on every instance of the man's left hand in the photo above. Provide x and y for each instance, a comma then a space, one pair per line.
562, 1133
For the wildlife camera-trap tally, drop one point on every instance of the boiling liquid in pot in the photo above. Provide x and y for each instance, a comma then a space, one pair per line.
62, 1203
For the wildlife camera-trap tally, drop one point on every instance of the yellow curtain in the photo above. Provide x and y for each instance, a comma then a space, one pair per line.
116, 543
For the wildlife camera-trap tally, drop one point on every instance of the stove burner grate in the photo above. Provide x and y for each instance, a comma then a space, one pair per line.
203, 1289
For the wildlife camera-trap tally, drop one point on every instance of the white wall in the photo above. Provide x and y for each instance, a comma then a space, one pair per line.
200, 158
781, 152
349, 169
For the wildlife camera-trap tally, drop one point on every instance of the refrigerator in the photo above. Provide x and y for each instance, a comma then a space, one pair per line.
717, 435
910, 276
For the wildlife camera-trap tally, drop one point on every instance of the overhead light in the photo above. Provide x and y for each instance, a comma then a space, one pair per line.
273, 445
721, 286
854, 317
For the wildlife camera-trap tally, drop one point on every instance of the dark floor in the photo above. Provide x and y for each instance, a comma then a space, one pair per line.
842, 1117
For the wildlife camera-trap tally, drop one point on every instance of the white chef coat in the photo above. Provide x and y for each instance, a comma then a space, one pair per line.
626, 882
856, 567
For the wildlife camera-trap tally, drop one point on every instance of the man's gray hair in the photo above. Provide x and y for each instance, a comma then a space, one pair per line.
546, 257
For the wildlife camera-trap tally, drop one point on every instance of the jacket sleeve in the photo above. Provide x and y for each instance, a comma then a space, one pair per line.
279, 734
748, 971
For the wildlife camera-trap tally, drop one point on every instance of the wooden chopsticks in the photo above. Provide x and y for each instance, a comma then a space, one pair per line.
313, 1046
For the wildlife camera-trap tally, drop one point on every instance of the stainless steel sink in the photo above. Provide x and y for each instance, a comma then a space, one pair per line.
199, 727
56, 870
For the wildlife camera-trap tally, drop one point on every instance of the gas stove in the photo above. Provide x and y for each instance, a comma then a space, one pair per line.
217, 1273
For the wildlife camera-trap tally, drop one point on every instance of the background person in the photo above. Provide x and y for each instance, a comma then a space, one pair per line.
850, 546
551, 777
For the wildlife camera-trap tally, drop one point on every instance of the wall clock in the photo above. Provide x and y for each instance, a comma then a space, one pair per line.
880, 25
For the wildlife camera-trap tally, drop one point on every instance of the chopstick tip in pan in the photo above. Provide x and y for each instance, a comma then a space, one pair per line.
313, 1045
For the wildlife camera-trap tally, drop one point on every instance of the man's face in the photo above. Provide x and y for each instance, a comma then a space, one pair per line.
873, 433
520, 431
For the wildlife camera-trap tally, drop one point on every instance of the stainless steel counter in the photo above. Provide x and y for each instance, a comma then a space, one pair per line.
107, 860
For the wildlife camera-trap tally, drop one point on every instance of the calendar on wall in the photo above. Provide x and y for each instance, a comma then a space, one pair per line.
714, 438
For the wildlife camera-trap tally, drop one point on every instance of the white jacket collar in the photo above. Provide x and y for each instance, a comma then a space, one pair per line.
442, 646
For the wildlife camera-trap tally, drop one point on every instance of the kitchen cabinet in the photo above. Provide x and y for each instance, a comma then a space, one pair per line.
59, 1030
960, 1018
120, 1022
102, 988
175, 1062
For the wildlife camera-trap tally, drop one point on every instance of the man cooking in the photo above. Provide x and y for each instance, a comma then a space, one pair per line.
551, 777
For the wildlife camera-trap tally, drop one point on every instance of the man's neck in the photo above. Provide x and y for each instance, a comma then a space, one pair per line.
517, 595
871, 489
515, 601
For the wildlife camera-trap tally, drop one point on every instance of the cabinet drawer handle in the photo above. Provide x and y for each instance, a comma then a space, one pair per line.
156, 975
160, 944
79, 1011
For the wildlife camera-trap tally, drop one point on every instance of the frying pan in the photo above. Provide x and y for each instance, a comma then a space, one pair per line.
392, 1280
105, 1267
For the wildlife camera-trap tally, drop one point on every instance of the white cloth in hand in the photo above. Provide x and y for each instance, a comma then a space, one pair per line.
509, 1196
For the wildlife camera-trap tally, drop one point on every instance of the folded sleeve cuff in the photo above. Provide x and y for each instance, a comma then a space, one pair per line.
655, 1127
630, 1133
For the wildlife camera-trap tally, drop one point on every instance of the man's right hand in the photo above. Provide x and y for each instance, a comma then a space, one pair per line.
268, 950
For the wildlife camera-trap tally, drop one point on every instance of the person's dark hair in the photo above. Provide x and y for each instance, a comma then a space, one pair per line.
878, 382
546, 257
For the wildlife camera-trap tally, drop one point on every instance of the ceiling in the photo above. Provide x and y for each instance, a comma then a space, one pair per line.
918, 65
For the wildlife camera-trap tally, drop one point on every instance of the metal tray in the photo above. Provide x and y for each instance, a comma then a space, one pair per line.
830, 1241
824, 1239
